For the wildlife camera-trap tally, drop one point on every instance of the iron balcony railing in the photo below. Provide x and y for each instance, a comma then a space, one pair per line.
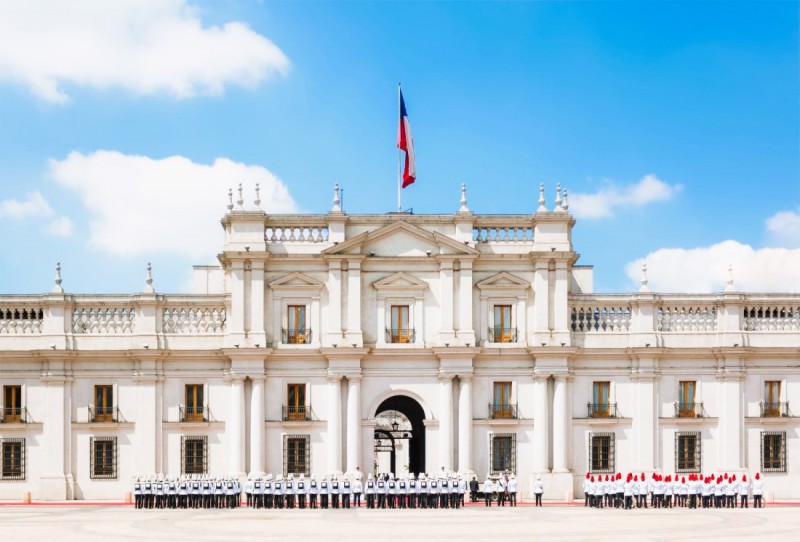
602, 410
295, 413
502, 412
296, 336
194, 414
103, 414
502, 334
400, 336
774, 410
14, 415
688, 410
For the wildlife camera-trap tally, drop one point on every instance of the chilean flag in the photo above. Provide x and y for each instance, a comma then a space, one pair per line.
405, 142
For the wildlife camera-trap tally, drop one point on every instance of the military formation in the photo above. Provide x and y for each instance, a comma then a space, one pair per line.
189, 491
668, 491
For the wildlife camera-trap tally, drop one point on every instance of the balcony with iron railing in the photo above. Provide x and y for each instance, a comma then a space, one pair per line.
502, 334
14, 415
602, 410
194, 414
296, 413
774, 410
103, 414
503, 411
689, 410
296, 336
400, 336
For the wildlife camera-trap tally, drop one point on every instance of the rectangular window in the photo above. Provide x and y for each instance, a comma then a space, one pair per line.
687, 451
504, 331
12, 404
12, 459
296, 409
502, 407
194, 455
297, 332
773, 451
687, 408
601, 452
195, 406
296, 454
601, 407
103, 459
400, 331
772, 399
103, 403
503, 453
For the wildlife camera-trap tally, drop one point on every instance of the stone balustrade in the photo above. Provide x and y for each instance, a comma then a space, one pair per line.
601, 318
304, 233
92, 319
686, 318
768, 317
502, 234
20, 318
193, 320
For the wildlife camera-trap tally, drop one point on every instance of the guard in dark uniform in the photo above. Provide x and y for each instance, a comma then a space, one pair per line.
313, 491
324, 491
301, 492
268, 497
334, 489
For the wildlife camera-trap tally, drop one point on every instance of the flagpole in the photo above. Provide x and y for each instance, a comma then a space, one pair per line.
399, 159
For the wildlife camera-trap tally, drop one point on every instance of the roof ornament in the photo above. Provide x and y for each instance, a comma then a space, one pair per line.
149, 280
463, 208
57, 289
644, 287
230, 200
558, 198
336, 199
240, 200
257, 201
542, 207
729, 285
566, 202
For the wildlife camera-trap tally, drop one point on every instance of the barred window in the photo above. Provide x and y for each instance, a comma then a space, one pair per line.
503, 453
12, 459
687, 451
194, 455
103, 459
773, 451
601, 453
296, 454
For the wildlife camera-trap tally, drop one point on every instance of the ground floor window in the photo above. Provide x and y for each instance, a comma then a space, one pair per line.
296, 454
687, 451
601, 453
12, 459
103, 459
503, 453
194, 455
773, 451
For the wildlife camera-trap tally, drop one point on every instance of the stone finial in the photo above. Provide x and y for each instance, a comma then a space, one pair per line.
644, 287
566, 201
729, 285
240, 200
230, 200
336, 199
149, 280
542, 207
558, 198
57, 289
257, 201
463, 208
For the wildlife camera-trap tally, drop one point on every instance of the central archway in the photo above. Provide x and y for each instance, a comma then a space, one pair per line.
415, 414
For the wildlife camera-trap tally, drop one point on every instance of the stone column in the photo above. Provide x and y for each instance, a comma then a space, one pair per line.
446, 333
541, 305
235, 426
466, 334
560, 421
465, 423
353, 423
645, 417
334, 322
354, 303
446, 421
257, 299
540, 424
334, 424
54, 480
257, 420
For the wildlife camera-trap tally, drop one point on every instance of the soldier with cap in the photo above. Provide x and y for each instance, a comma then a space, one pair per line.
258, 493
538, 491
324, 492
370, 488
289, 493
137, 493
744, 492
335, 490
424, 490
347, 492
358, 489
301, 490
278, 491
268, 492
512, 490
413, 491
488, 489
758, 490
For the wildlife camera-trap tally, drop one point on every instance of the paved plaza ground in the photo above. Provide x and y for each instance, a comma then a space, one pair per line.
84, 522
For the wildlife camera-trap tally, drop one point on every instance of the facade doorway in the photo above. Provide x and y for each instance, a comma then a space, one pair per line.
399, 436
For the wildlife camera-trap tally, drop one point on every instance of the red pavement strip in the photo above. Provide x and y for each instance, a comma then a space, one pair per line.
470, 504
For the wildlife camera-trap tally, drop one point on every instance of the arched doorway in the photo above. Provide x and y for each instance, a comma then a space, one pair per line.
401, 422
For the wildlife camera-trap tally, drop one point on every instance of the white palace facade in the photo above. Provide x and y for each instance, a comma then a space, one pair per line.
416, 343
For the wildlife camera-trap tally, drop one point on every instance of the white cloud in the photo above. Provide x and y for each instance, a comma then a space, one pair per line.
140, 205
602, 204
783, 228
705, 269
60, 227
35, 206
144, 46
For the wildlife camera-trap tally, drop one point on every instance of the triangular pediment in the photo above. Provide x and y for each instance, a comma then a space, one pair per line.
400, 281
401, 239
503, 281
296, 281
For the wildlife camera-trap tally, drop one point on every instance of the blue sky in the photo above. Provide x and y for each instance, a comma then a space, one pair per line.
674, 125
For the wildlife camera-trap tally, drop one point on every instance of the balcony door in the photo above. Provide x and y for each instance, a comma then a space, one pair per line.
194, 403
772, 398
502, 400
400, 332
12, 403
104, 403
297, 324
503, 331
600, 399
297, 402
686, 402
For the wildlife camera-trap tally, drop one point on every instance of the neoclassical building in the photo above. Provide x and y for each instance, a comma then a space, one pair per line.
464, 342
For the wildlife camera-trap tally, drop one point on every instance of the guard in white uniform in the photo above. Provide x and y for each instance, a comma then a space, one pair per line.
758, 491
358, 489
744, 492
324, 492
301, 490
512, 490
538, 491
347, 492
